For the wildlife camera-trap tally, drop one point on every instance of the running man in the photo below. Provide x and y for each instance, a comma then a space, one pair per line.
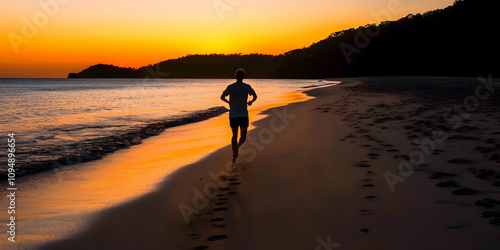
238, 113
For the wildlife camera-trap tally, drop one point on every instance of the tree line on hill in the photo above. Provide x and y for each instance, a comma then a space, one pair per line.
459, 40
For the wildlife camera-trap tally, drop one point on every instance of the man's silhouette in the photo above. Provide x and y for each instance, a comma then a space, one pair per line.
238, 113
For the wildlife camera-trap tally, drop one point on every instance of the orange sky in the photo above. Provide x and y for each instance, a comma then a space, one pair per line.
50, 38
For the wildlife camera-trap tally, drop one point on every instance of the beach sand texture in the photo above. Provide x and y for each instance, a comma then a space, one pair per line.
372, 163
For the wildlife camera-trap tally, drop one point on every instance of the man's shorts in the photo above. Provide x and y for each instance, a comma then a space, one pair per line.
238, 122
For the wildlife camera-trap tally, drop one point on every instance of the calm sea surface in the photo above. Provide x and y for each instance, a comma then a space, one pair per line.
47, 115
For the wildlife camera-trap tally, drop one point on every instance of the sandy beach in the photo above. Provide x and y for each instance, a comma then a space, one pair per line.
372, 163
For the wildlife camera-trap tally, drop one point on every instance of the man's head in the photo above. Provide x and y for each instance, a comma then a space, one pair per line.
240, 74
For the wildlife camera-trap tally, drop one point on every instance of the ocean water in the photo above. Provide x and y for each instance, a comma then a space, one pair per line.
60, 121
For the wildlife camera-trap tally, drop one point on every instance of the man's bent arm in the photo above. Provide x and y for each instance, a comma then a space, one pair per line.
254, 97
223, 98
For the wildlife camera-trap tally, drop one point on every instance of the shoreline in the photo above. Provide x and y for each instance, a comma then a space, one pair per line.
95, 149
171, 181
299, 191
122, 115
117, 178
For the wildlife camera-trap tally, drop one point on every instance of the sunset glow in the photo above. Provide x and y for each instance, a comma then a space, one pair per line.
50, 38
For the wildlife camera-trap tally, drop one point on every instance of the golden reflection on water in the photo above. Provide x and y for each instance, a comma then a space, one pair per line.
55, 203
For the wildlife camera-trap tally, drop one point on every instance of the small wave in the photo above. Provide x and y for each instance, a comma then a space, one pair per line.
323, 83
42, 137
74, 128
93, 149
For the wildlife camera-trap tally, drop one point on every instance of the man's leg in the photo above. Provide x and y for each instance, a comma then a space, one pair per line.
234, 142
243, 136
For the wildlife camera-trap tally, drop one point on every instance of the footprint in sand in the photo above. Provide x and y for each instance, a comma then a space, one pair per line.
448, 183
495, 157
440, 175
361, 165
224, 177
217, 237
484, 150
219, 225
437, 151
366, 211
466, 191
489, 214
489, 201
460, 161
490, 141
370, 138
404, 157
485, 173
483, 203
453, 202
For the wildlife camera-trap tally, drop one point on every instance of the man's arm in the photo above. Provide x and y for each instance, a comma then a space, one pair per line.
223, 97
254, 97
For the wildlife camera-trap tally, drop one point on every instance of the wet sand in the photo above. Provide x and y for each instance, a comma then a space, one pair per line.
373, 163
59, 203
